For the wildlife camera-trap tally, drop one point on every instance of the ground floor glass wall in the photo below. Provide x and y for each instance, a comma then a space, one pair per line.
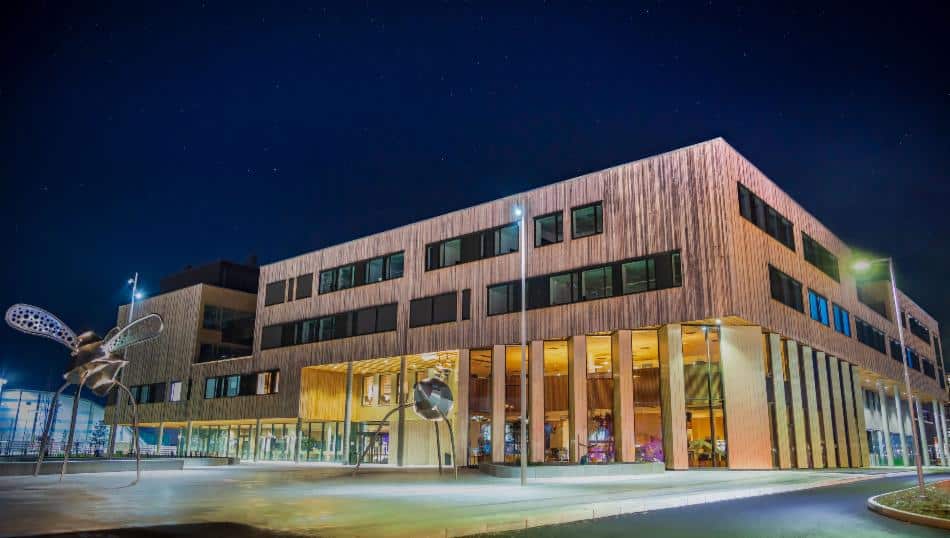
705, 417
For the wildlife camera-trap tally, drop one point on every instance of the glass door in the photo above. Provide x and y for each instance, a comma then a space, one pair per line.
705, 416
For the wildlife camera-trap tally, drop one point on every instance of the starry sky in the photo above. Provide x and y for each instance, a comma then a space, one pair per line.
149, 137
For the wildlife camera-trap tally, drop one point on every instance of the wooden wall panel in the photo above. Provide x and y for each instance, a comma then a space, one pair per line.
850, 420
577, 392
621, 347
746, 405
774, 341
827, 411
673, 397
859, 416
837, 406
461, 423
798, 406
811, 405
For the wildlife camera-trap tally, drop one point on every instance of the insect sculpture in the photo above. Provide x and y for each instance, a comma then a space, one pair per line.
95, 364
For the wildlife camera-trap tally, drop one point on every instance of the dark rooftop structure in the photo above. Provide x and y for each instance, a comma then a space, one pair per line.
221, 273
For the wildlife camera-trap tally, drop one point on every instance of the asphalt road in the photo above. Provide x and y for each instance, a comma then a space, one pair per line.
837, 511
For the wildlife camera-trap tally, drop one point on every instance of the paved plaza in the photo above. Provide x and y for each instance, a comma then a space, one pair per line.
328, 501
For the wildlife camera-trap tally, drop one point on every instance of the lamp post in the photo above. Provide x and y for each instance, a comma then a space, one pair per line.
135, 294
864, 265
519, 212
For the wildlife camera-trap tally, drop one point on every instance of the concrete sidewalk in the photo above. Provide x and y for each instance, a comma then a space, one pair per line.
315, 499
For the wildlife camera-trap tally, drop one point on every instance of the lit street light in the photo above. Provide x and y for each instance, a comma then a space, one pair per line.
519, 212
864, 265
136, 294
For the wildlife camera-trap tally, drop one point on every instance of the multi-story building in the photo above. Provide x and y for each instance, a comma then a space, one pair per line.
679, 309
208, 312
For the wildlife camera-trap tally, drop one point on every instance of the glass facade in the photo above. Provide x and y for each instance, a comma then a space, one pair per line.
705, 416
600, 401
513, 403
479, 406
557, 428
647, 411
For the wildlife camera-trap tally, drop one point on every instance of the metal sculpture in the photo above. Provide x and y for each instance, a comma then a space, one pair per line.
432, 401
95, 364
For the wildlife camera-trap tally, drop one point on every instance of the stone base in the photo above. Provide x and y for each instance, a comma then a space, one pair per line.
21, 468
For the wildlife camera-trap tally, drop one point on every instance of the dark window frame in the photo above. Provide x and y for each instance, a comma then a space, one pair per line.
344, 325
820, 300
765, 217
558, 216
820, 257
788, 284
271, 301
473, 247
360, 273
666, 261
598, 223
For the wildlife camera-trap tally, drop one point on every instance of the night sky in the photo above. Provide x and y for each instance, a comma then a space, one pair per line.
149, 138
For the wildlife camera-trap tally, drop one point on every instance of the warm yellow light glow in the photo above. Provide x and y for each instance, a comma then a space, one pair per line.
862, 265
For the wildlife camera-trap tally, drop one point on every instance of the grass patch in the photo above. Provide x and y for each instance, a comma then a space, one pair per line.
936, 503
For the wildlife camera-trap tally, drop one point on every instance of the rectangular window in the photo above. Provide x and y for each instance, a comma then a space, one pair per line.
597, 283
913, 359
374, 270
589, 283
420, 312
820, 257
274, 292
765, 217
506, 239
549, 229
785, 289
471, 247
374, 319
211, 318
638, 276
561, 289
345, 277
211, 387
928, 368
466, 304
504, 298
174, 392
818, 307
587, 220
304, 288
868, 335
267, 382
918, 329
443, 307
232, 385
327, 280
842, 319
895, 350
394, 266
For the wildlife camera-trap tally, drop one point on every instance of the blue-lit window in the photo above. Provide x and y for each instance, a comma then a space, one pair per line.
819, 307
842, 319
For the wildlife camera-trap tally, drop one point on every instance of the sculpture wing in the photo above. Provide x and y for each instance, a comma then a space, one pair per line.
34, 320
138, 331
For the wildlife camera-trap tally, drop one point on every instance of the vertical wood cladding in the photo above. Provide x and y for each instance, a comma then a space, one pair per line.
685, 199
746, 405
798, 405
781, 409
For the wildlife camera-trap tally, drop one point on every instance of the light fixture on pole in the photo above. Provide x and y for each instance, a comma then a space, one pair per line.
135, 294
864, 265
519, 212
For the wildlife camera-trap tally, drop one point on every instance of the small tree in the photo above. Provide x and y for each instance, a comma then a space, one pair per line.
99, 435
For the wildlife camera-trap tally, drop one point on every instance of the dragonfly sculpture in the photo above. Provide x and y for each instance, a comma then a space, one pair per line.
95, 364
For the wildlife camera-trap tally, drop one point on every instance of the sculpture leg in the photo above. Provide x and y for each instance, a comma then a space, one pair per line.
372, 440
47, 428
438, 446
135, 433
72, 428
451, 440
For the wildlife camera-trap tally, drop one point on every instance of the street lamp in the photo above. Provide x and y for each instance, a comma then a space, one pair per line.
519, 212
864, 265
135, 294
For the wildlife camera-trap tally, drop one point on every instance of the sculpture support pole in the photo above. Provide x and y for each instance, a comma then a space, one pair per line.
135, 434
452, 440
72, 427
47, 428
372, 439
438, 445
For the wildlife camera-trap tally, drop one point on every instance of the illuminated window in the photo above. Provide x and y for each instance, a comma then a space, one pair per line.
174, 393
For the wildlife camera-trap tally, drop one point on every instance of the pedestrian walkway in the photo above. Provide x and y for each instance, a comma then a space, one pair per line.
328, 501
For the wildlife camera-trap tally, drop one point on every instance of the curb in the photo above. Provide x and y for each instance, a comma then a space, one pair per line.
903, 515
